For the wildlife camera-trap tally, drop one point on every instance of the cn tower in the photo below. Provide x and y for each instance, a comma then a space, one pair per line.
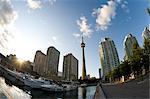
83, 60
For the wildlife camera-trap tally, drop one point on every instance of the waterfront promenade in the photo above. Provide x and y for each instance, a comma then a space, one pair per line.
134, 89
99, 93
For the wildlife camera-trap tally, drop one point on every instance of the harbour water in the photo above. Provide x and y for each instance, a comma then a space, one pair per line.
25, 93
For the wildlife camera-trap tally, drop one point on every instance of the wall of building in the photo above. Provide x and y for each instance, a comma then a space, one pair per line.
146, 33
129, 42
52, 61
70, 67
108, 55
39, 63
47, 65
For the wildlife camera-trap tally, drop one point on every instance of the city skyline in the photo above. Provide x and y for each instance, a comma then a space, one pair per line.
38, 25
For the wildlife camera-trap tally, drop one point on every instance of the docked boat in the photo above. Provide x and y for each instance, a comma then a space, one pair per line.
52, 88
22, 79
41, 83
83, 85
13, 76
35, 83
68, 87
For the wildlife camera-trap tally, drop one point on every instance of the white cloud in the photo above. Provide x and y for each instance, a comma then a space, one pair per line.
34, 4
119, 1
7, 17
123, 4
76, 35
7, 14
84, 27
52, 1
107, 12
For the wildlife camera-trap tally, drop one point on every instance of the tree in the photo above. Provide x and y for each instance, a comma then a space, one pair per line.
146, 54
145, 62
125, 69
109, 76
146, 46
136, 59
116, 73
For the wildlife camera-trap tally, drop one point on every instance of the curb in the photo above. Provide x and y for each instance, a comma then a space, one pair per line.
99, 93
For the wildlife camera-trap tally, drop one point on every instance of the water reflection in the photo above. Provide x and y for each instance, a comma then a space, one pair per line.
86, 92
48, 95
12, 92
80, 93
16, 93
83, 92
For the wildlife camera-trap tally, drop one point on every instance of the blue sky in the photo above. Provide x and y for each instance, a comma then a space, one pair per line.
43, 23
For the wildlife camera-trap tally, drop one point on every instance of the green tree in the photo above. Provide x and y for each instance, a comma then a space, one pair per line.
116, 73
146, 46
145, 62
125, 69
136, 59
146, 55
109, 76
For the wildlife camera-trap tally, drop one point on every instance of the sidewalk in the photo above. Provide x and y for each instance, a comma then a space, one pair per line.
99, 94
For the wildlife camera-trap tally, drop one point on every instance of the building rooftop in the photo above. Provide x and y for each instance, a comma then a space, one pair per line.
52, 47
105, 39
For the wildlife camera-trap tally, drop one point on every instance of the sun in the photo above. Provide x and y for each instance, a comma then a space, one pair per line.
21, 61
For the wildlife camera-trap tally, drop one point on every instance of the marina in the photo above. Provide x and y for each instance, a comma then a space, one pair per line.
25, 93
26, 86
25, 80
74, 49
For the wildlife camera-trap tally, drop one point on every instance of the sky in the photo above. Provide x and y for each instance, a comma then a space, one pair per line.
30, 25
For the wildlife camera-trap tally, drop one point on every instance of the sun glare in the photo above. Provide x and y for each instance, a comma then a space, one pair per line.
20, 60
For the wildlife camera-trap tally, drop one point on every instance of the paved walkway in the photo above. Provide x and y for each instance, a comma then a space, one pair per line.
99, 93
135, 89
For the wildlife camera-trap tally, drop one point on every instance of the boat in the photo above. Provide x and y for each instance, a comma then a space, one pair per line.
22, 79
52, 88
35, 83
68, 87
12, 76
83, 85
41, 83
